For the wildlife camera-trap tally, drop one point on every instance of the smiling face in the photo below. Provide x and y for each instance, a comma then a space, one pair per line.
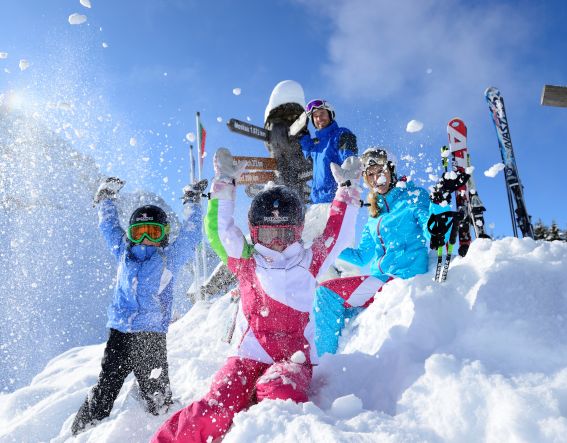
378, 178
321, 118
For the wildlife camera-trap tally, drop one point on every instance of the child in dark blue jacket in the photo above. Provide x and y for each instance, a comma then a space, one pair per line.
140, 311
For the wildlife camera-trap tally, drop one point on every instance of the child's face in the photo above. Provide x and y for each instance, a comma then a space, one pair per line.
148, 242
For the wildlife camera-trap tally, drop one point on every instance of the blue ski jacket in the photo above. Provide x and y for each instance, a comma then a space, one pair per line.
396, 242
143, 296
331, 144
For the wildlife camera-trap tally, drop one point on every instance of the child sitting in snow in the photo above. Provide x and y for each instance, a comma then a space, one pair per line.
277, 279
140, 312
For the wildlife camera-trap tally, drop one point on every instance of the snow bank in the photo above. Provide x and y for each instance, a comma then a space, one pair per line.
482, 357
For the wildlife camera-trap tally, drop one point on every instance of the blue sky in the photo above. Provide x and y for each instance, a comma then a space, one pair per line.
380, 63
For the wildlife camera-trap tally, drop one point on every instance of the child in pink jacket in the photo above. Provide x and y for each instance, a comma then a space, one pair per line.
275, 350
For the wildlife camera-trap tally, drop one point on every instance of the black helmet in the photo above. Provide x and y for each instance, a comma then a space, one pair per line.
276, 205
151, 213
378, 156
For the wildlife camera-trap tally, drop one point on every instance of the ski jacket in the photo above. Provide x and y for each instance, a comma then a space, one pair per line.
277, 288
146, 275
395, 242
331, 144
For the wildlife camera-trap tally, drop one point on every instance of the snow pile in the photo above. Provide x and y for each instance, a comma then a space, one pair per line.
482, 357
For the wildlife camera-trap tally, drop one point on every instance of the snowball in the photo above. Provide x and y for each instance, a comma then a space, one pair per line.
248, 119
414, 126
494, 170
298, 357
236, 91
219, 119
77, 19
85, 3
3, 55
190, 136
346, 407
133, 141
156, 372
104, 45
24, 64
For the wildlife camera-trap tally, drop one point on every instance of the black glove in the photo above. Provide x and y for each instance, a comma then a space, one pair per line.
194, 192
443, 189
438, 225
108, 189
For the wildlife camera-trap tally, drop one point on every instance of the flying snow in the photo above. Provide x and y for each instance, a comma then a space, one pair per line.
133, 141
190, 136
219, 119
3, 55
86, 3
494, 169
236, 91
77, 19
104, 45
24, 64
414, 126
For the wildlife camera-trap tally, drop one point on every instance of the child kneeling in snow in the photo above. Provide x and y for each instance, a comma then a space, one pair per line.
277, 281
140, 311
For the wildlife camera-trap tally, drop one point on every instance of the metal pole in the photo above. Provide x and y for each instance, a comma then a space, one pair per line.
200, 160
196, 267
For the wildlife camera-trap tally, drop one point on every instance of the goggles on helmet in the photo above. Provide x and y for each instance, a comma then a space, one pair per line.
316, 104
282, 234
154, 232
374, 157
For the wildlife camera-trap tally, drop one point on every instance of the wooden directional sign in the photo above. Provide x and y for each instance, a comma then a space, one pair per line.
256, 177
554, 96
257, 163
247, 129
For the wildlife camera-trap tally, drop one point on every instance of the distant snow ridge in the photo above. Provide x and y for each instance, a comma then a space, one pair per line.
482, 357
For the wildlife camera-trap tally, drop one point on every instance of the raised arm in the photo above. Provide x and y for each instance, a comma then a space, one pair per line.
108, 221
339, 231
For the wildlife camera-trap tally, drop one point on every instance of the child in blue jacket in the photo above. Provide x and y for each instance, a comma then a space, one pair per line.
140, 311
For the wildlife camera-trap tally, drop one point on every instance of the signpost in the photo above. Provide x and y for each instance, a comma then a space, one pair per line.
248, 129
554, 96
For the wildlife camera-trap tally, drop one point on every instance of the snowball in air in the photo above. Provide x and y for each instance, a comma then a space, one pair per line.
24, 64
190, 136
494, 169
219, 119
414, 126
104, 45
77, 19
86, 3
3, 55
133, 141
236, 91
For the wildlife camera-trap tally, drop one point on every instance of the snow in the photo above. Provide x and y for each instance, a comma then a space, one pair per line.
236, 91
77, 19
287, 91
190, 137
133, 141
104, 45
494, 170
414, 126
86, 3
24, 64
3, 55
480, 357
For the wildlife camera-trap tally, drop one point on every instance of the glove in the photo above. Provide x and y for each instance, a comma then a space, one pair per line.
348, 173
108, 189
194, 192
449, 183
438, 226
299, 127
225, 168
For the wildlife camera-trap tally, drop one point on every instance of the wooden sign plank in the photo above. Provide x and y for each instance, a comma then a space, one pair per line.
257, 177
257, 163
554, 96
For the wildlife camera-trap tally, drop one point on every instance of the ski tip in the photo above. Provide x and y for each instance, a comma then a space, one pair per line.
491, 91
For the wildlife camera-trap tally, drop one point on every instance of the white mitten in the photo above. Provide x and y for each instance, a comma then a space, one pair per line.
108, 189
348, 174
225, 167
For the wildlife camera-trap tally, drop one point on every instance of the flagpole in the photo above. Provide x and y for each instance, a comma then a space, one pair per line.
196, 267
200, 158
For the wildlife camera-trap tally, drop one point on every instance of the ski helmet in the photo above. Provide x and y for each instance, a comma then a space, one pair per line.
151, 214
319, 103
276, 205
377, 156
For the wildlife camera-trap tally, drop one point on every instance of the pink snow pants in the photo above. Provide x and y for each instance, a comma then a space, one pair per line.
236, 386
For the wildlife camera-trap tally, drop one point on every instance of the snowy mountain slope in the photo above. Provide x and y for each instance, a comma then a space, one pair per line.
479, 358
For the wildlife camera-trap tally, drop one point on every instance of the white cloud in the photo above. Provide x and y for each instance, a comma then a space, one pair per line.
382, 50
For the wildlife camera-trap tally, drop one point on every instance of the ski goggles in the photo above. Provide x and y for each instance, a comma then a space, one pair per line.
316, 104
371, 158
154, 232
267, 235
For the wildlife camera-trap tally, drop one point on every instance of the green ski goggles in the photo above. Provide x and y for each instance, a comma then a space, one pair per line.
154, 232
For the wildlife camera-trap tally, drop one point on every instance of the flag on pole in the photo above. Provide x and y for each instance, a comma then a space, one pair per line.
202, 137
